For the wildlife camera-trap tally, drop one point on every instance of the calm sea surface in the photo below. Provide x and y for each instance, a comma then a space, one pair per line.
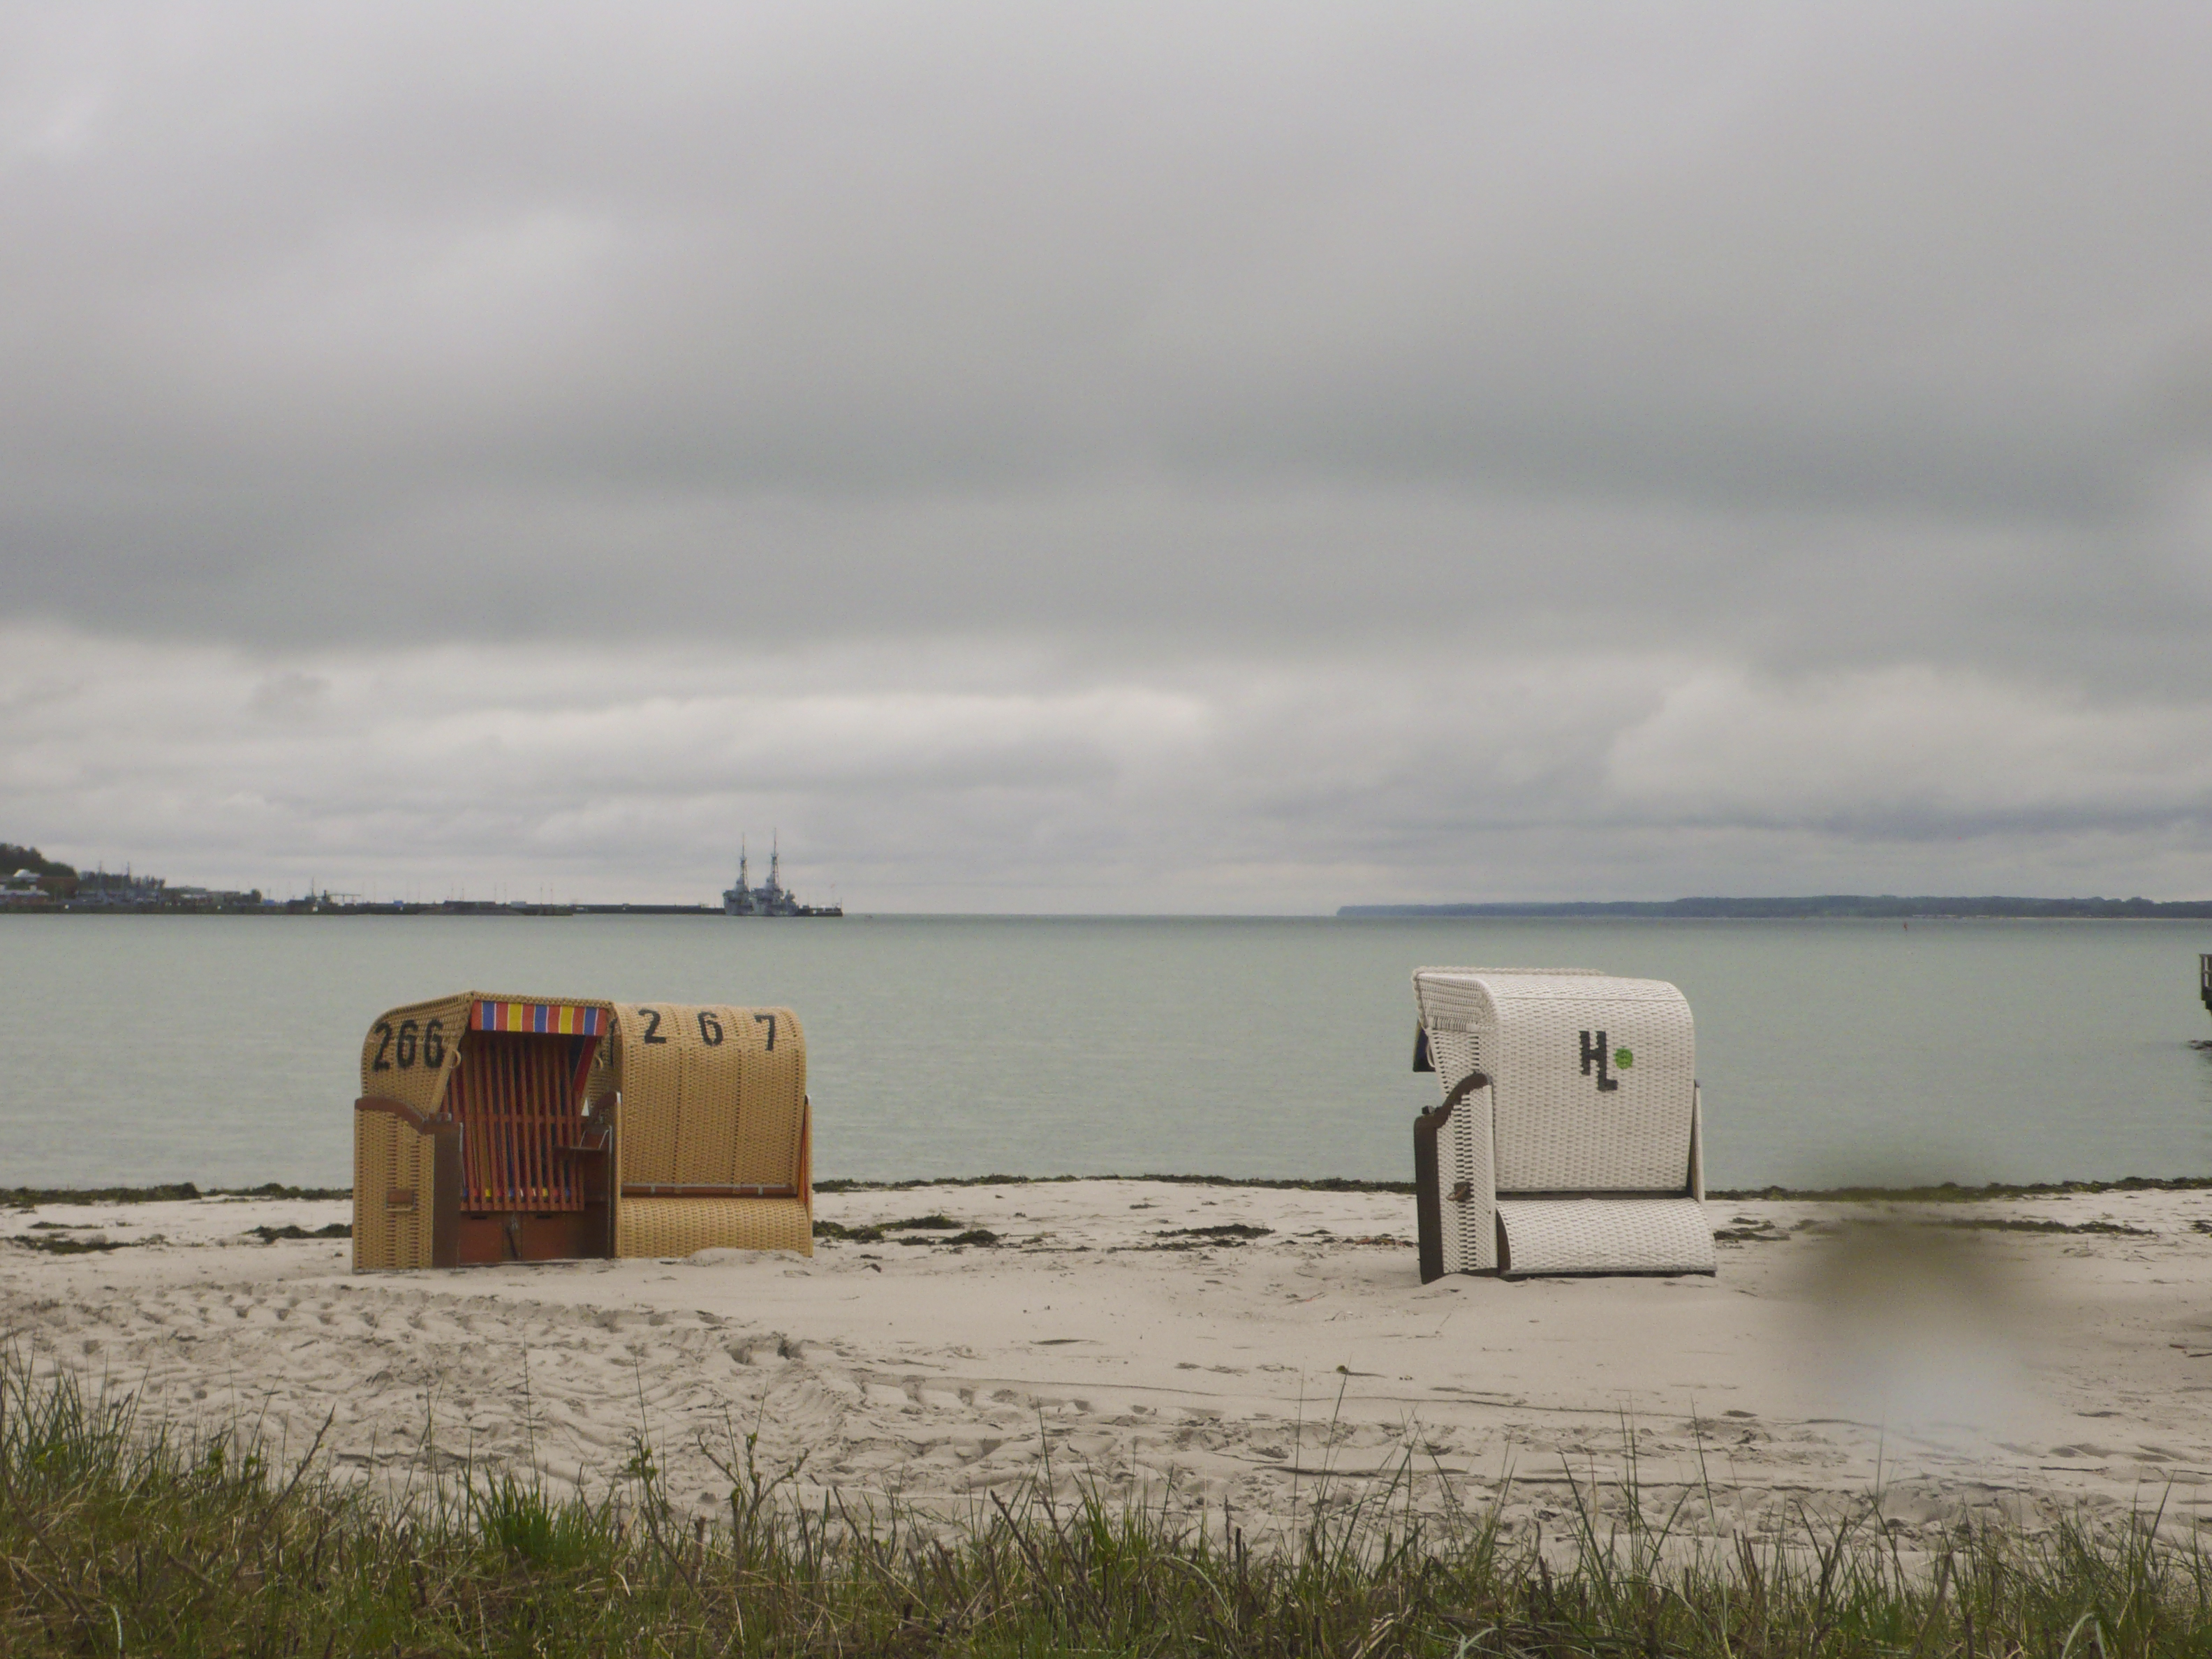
222, 1050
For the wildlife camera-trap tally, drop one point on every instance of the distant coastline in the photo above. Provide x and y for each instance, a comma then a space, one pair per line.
1846, 906
32, 883
323, 905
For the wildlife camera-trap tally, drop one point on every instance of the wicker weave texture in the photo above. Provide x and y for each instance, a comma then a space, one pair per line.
396, 1062
1697, 1144
678, 1226
1556, 1128
712, 1095
705, 1100
391, 1158
1454, 1052
1465, 1165
394, 1055
772, 1088
649, 1071
652, 1070
1607, 1235
1464, 1158
374, 1245
1453, 998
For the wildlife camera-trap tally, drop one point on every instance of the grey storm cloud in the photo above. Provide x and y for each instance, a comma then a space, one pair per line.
1259, 457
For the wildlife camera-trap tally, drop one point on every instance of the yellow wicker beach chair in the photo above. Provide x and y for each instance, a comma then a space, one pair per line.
495, 1128
1570, 1136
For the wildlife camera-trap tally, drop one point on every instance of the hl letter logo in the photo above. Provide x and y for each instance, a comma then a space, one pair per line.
1603, 1055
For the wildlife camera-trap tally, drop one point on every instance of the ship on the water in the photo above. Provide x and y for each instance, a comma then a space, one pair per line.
772, 899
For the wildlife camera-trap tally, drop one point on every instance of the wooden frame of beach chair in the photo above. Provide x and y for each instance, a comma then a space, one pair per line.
1569, 1138
493, 1129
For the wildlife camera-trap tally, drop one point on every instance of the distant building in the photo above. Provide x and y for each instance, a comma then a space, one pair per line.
23, 890
104, 889
38, 883
210, 898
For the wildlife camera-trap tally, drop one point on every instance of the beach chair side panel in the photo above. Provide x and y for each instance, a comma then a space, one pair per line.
407, 1188
385, 1235
405, 1163
1457, 1020
1466, 1182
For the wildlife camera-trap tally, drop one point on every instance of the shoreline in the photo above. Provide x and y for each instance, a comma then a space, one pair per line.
1946, 1192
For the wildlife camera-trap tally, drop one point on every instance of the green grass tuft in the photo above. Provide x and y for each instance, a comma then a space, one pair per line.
119, 1535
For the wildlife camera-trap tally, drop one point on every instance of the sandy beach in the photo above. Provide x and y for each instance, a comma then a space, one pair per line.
2018, 1355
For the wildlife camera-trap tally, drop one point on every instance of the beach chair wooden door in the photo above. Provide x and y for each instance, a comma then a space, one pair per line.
533, 1170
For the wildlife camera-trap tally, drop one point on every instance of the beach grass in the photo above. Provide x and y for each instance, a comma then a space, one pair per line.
122, 1535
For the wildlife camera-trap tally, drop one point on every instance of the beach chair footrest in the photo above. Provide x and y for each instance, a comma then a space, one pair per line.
1656, 1234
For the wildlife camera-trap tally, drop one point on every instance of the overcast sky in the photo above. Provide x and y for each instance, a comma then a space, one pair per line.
1220, 458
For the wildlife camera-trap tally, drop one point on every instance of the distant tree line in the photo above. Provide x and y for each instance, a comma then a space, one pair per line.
1885, 907
14, 858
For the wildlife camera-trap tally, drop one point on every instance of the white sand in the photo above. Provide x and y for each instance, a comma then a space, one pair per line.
2012, 1370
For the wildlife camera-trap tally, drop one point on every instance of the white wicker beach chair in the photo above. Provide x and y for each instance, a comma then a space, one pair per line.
1570, 1137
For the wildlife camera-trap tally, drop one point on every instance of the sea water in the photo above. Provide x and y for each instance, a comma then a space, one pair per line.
225, 1050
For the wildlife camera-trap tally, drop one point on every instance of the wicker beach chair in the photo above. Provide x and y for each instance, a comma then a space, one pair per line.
1569, 1136
495, 1128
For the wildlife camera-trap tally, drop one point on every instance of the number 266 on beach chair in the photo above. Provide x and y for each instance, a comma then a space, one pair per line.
1570, 1139
494, 1128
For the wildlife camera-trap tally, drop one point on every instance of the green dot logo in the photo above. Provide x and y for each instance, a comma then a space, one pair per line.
1622, 1059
